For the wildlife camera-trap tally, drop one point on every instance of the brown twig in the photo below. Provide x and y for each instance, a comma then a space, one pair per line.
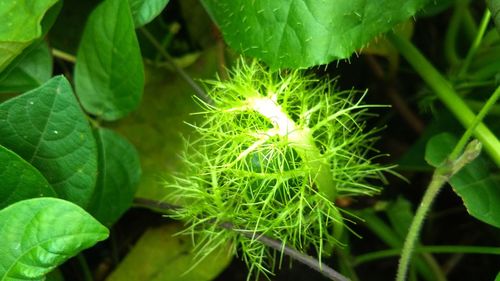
399, 104
310, 261
221, 59
198, 90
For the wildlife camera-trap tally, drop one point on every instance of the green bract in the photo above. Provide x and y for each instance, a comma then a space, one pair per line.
275, 150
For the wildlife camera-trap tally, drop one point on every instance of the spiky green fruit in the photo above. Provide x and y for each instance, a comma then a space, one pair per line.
275, 150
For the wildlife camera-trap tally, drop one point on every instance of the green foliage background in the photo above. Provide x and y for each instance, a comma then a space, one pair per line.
94, 100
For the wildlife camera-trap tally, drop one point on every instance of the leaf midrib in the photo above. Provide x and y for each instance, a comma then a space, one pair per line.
37, 147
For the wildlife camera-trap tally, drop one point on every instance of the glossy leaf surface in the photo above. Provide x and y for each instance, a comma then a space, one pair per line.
39, 234
48, 129
21, 25
144, 11
109, 74
20, 180
30, 72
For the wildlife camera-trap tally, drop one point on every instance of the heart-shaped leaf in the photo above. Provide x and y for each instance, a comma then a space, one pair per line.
39, 234
304, 33
49, 130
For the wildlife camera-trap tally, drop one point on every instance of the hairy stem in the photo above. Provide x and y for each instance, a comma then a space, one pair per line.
437, 182
453, 164
441, 175
426, 265
447, 94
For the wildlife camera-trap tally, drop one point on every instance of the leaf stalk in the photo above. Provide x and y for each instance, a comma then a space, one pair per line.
445, 92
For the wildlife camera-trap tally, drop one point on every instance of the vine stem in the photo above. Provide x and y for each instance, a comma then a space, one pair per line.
413, 232
477, 42
482, 113
441, 175
63, 55
426, 265
447, 94
313, 263
441, 249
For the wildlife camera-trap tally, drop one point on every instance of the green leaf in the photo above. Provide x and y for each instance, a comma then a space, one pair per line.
119, 174
144, 11
46, 23
303, 33
48, 129
438, 148
414, 158
39, 234
149, 260
32, 71
50, 18
477, 187
21, 25
435, 7
20, 180
109, 74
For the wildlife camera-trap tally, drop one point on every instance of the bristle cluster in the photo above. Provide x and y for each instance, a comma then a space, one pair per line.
274, 151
